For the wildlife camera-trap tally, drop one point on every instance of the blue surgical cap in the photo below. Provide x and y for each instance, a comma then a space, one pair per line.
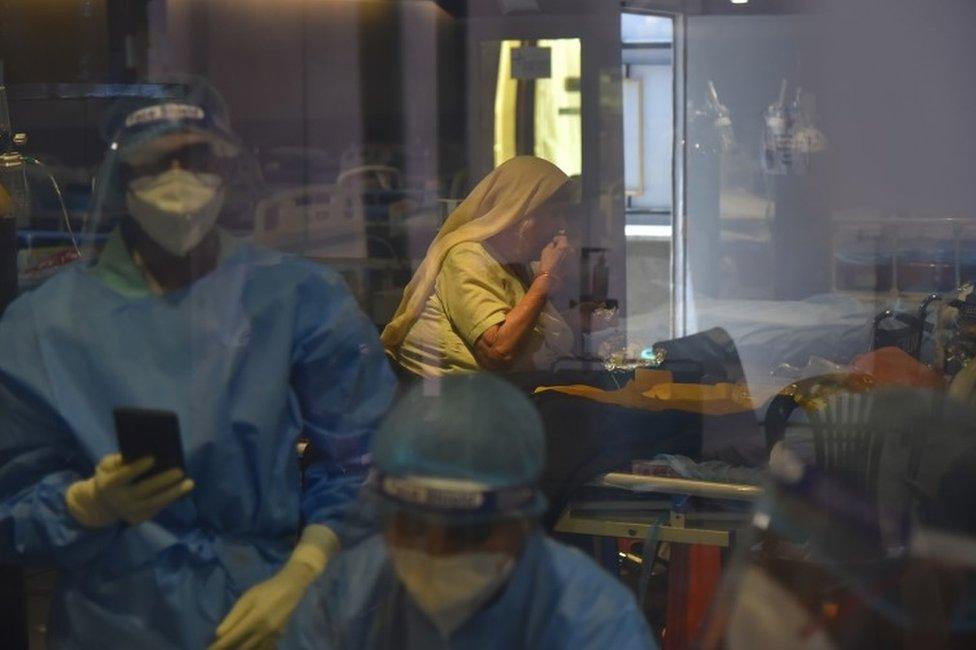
178, 104
472, 428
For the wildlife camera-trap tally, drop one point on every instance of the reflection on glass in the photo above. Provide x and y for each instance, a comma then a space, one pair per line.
457, 556
774, 234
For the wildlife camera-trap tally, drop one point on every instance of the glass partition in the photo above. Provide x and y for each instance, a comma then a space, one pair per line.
487, 323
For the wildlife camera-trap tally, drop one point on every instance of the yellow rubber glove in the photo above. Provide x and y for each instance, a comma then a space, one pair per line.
259, 617
113, 492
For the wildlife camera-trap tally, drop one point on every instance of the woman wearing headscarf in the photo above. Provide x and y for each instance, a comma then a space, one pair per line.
480, 298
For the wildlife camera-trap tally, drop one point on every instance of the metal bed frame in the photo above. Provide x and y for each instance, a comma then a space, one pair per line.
634, 519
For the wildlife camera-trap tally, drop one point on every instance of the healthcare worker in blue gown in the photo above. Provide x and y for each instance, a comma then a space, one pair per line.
251, 348
459, 561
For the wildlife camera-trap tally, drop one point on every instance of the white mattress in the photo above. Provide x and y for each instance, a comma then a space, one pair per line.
770, 332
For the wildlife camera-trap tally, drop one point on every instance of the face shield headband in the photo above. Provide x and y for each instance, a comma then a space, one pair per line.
453, 497
146, 124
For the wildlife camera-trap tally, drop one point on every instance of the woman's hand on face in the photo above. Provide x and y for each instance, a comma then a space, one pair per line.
554, 255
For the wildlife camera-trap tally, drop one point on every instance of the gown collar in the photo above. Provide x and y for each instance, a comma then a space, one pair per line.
116, 268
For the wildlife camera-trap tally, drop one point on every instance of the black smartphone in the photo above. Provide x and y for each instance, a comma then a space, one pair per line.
148, 432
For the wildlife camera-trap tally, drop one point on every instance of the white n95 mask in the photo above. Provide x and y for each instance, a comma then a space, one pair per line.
176, 208
451, 588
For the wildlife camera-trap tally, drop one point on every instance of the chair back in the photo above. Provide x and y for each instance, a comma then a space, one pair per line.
863, 440
846, 440
809, 395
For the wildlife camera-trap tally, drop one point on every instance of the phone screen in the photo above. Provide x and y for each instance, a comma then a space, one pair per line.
148, 432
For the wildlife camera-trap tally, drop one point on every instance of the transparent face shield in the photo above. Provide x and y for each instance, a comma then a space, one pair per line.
451, 565
870, 545
170, 166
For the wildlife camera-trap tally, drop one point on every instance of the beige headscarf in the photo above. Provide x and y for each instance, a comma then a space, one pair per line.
503, 198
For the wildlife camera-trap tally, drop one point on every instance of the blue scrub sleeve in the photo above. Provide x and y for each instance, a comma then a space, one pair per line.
39, 458
344, 386
624, 630
605, 615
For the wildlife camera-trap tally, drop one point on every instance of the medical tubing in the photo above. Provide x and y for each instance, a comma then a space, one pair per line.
57, 191
649, 555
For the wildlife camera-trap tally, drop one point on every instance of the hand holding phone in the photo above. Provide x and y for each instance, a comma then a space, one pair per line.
138, 483
126, 493
149, 473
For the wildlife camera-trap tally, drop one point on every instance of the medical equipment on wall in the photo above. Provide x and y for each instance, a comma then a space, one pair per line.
791, 136
723, 119
13, 192
14, 175
711, 124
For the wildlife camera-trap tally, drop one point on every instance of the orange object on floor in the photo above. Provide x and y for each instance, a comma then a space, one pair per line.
892, 366
694, 572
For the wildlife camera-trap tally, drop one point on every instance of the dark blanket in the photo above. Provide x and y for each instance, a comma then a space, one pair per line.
585, 439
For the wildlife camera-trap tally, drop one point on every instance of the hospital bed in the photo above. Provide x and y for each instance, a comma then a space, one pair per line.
768, 333
660, 502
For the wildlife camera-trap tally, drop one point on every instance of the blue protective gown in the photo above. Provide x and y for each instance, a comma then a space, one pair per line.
261, 350
556, 599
